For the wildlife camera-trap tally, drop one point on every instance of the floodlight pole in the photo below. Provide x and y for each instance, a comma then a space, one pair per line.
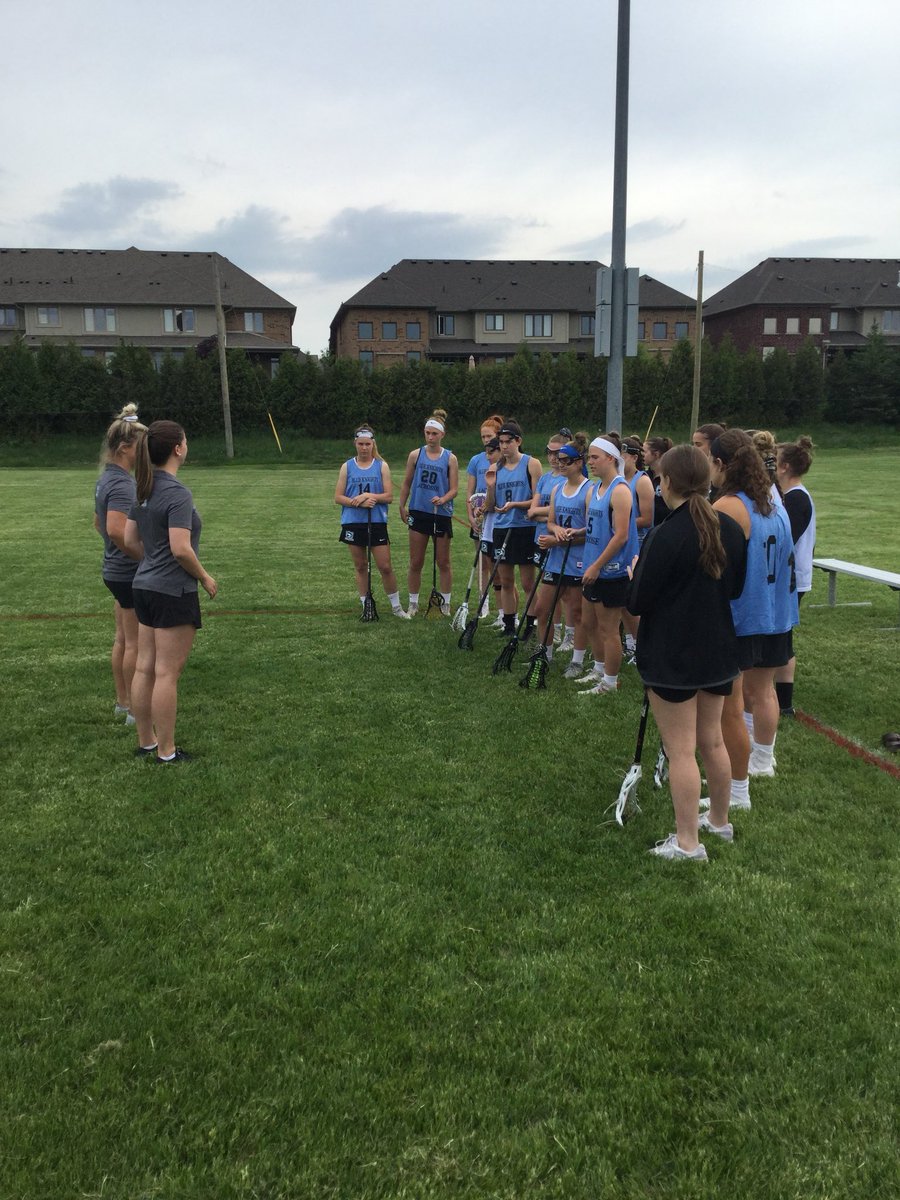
616, 366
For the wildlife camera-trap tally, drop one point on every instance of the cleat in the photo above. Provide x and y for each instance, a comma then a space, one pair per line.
669, 848
412, 610
600, 689
180, 756
591, 677
725, 832
572, 671
567, 644
445, 609
144, 751
732, 804
398, 612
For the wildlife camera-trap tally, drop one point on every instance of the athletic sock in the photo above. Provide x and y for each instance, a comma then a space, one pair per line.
509, 623
740, 789
763, 754
394, 599
446, 597
550, 653
598, 669
577, 658
362, 599
629, 643
785, 694
611, 681
414, 597
166, 757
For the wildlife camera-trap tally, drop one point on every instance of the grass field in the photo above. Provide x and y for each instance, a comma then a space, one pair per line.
379, 940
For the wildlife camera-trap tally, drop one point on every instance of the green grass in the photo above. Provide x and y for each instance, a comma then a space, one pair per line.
378, 940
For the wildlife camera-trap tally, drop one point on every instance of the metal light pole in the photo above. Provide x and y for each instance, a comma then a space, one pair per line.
615, 371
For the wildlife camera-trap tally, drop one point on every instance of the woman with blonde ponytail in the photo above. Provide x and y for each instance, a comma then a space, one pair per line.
689, 570
113, 497
163, 529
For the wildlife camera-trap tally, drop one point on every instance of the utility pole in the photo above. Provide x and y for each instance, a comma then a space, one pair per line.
615, 371
223, 362
698, 343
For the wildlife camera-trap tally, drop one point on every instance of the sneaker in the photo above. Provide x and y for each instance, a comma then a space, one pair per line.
591, 677
788, 712
129, 720
527, 633
760, 766
498, 624
572, 671
559, 633
629, 658
600, 689
144, 751
180, 756
732, 803
669, 848
445, 609
412, 610
121, 710
398, 612
567, 644
725, 832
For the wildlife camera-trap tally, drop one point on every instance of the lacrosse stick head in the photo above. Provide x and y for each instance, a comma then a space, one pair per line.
535, 677
369, 611
627, 805
460, 618
433, 611
477, 500
661, 770
467, 637
504, 660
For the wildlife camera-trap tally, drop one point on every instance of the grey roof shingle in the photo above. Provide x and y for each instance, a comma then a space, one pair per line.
832, 282
129, 276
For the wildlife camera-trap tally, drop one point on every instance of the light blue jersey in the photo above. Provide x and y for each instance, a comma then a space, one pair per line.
359, 481
431, 478
546, 486
513, 484
636, 507
477, 468
600, 531
569, 513
768, 603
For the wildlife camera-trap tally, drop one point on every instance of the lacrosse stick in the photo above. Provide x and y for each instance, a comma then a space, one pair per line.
435, 600
627, 805
661, 770
504, 659
539, 664
461, 616
467, 637
369, 612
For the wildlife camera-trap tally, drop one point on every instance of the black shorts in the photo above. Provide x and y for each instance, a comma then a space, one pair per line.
357, 533
162, 611
121, 589
680, 695
610, 593
488, 549
520, 548
431, 524
567, 580
765, 650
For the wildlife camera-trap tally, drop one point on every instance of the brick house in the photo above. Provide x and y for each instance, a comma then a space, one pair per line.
782, 301
448, 310
162, 300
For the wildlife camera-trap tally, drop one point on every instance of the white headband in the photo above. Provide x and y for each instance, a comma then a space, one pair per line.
434, 423
609, 448
364, 433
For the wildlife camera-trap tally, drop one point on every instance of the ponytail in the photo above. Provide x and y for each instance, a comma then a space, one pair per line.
154, 449
687, 470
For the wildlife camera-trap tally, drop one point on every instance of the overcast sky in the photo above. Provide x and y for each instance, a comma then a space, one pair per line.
315, 144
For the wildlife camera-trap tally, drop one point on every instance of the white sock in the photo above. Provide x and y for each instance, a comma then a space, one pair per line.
414, 597
394, 599
570, 631
763, 752
577, 658
549, 654
611, 681
740, 789
446, 596
362, 599
598, 669
629, 642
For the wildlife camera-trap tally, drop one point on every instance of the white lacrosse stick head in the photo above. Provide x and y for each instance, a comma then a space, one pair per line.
627, 805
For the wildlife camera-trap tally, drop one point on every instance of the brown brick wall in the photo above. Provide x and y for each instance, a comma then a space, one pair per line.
746, 327
276, 322
387, 352
670, 316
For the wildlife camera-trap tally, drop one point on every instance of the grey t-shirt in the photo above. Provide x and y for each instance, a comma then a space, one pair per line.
169, 506
115, 491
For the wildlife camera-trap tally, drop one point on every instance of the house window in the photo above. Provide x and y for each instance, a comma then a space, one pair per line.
500, 359
389, 330
767, 350
494, 322
641, 333
446, 324
100, 320
538, 325
367, 359
891, 321
413, 331
178, 320
832, 320
253, 322
48, 316
681, 330
660, 331
587, 324
815, 324
7, 317
365, 331
792, 325
413, 356
770, 325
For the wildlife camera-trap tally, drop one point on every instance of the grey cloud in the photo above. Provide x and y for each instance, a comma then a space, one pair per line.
109, 208
356, 243
640, 231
